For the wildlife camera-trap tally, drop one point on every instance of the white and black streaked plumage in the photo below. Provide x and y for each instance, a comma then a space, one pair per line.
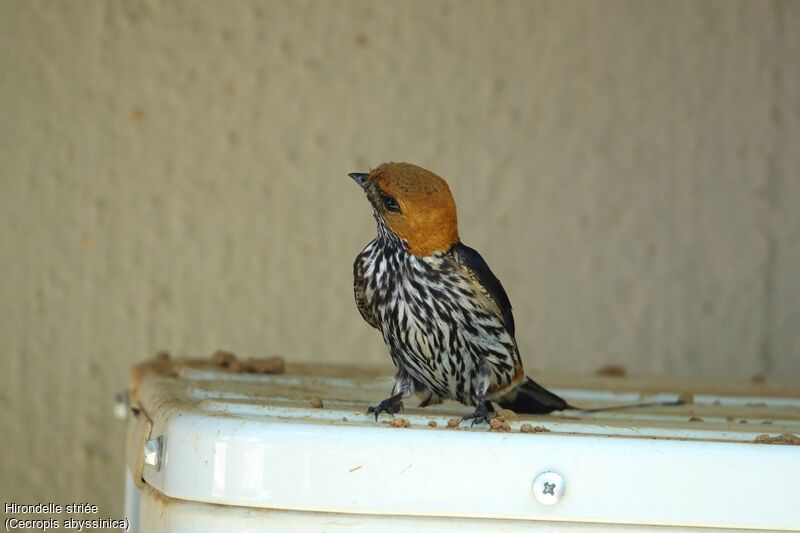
443, 314
435, 318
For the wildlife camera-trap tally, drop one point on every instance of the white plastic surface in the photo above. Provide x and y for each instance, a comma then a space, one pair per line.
253, 442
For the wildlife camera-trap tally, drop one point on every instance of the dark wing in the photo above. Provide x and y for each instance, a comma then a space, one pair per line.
359, 290
485, 282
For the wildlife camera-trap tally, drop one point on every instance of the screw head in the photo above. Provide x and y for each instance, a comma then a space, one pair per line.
121, 405
548, 488
152, 452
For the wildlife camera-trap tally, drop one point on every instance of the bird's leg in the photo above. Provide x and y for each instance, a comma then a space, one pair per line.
392, 404
403, 387
484, 412
483, 408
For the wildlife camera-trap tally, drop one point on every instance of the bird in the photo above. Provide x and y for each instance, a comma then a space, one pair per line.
444, 316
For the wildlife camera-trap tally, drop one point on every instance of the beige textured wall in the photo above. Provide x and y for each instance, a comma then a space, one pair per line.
174, 176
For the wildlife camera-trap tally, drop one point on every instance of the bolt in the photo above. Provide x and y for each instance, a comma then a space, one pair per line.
152, 452
121, 405
548, 488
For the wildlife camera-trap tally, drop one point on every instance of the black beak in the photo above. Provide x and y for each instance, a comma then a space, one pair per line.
360, 178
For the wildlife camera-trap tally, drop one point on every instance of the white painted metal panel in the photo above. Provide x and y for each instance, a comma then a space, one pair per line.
165, 515
254, 442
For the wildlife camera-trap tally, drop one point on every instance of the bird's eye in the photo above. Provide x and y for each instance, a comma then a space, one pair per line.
391, 204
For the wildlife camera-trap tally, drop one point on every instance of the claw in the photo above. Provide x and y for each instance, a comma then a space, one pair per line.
481, 415
389, 405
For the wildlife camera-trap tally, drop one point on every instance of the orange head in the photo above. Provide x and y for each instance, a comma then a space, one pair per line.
415, 205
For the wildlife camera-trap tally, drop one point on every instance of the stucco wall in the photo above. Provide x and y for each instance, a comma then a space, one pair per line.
174, 177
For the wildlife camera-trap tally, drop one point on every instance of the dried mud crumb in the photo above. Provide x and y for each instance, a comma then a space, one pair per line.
506, 414
254, 365
695, 418
743, 421
498, 424
227, 360
453, 423
528, 428
432, 424
162, 355
617, 371
399, 423
758, 378
783, 438
686, 397
729, 418
222, 358
316, 403
265, 365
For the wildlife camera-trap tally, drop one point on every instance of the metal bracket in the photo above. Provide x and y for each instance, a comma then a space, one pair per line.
138, 434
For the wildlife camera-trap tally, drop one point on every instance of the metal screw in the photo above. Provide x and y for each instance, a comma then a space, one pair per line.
121, 405
548, 488
152, 452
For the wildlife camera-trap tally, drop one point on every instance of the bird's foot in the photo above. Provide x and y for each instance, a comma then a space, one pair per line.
482, 415
389, 405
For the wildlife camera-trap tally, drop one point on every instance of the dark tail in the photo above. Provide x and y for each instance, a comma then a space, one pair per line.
530, 397
666, 403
